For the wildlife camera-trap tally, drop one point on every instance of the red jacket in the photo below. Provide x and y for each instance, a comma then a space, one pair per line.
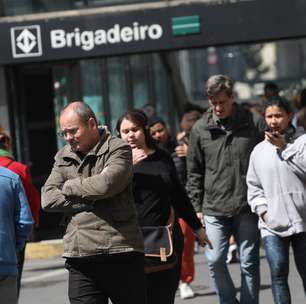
33, 195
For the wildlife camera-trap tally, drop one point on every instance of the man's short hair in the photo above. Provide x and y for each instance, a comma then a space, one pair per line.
83, 110
218, 83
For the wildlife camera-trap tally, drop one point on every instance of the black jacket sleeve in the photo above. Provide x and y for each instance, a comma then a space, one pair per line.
181, 202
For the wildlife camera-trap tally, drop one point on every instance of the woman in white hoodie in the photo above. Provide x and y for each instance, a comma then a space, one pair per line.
276, 181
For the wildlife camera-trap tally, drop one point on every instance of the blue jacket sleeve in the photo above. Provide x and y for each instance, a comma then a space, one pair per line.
23, 217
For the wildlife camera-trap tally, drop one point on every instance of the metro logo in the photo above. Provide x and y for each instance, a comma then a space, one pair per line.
87, 40
26, 41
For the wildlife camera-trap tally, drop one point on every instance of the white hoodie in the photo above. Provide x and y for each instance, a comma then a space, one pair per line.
277, 185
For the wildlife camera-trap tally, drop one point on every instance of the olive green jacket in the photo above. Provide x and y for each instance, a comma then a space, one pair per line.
96, 195
218, 159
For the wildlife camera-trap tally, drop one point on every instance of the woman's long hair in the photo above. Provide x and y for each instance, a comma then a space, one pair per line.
140, 119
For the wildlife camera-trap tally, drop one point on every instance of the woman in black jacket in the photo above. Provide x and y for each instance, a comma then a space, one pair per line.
156, 189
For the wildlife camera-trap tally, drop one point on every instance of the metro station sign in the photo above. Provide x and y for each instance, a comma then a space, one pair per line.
147, 28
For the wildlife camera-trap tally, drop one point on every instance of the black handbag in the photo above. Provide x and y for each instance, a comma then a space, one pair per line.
158, 247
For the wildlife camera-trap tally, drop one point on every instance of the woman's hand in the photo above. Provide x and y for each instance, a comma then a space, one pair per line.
203, 238
181, 150
138, 155
276, 139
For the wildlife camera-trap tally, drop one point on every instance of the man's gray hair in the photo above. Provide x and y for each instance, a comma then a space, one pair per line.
82, 109
218, 83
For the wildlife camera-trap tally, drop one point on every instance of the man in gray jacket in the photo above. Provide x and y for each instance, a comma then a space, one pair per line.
217, 161
91, 183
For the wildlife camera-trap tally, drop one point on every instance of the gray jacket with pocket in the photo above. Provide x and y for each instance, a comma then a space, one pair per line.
277, 185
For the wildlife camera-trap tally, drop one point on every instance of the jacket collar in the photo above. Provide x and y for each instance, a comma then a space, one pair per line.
292, 133
236, 121
100, 148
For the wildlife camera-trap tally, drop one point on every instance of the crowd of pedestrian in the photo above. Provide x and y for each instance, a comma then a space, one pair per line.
232, 177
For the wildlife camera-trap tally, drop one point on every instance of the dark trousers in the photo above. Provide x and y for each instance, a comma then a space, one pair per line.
162, 286
118, 277
20, 263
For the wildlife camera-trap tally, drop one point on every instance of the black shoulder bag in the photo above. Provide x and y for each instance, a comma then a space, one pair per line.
158, 243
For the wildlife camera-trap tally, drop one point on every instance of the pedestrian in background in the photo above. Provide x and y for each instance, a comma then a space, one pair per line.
157, 190
177, 148
271, 89
299, 118
91, 183
161, 134
277, 194
190, 115
15, 228
220, 144
33, 196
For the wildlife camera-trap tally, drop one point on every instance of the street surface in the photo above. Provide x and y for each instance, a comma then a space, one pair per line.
45, 282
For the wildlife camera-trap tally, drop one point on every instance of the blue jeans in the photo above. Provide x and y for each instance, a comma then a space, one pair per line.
277, 251
244, 228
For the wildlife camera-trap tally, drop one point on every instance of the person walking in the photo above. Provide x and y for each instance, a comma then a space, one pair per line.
220, 144
91, 183
33, 196
15, 228
276, 181
161, 134
190, 115
178, 148
157, 190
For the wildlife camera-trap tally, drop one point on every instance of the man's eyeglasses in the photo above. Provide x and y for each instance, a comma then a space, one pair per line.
64, 133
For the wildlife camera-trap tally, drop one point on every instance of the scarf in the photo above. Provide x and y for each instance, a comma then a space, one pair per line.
5, 153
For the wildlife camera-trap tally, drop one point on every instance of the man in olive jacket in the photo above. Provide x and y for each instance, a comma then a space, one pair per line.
217, 162
91, 183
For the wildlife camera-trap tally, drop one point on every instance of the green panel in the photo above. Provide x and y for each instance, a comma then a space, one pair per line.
186, 25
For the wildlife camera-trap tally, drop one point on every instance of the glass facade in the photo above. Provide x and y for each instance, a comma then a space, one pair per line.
251, 66
113, 85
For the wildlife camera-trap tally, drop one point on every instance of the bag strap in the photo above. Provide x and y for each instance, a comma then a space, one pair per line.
171, 219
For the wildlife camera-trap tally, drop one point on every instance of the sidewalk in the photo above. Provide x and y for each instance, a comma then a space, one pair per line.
38, 253
46, 280
203, 285
44, 249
